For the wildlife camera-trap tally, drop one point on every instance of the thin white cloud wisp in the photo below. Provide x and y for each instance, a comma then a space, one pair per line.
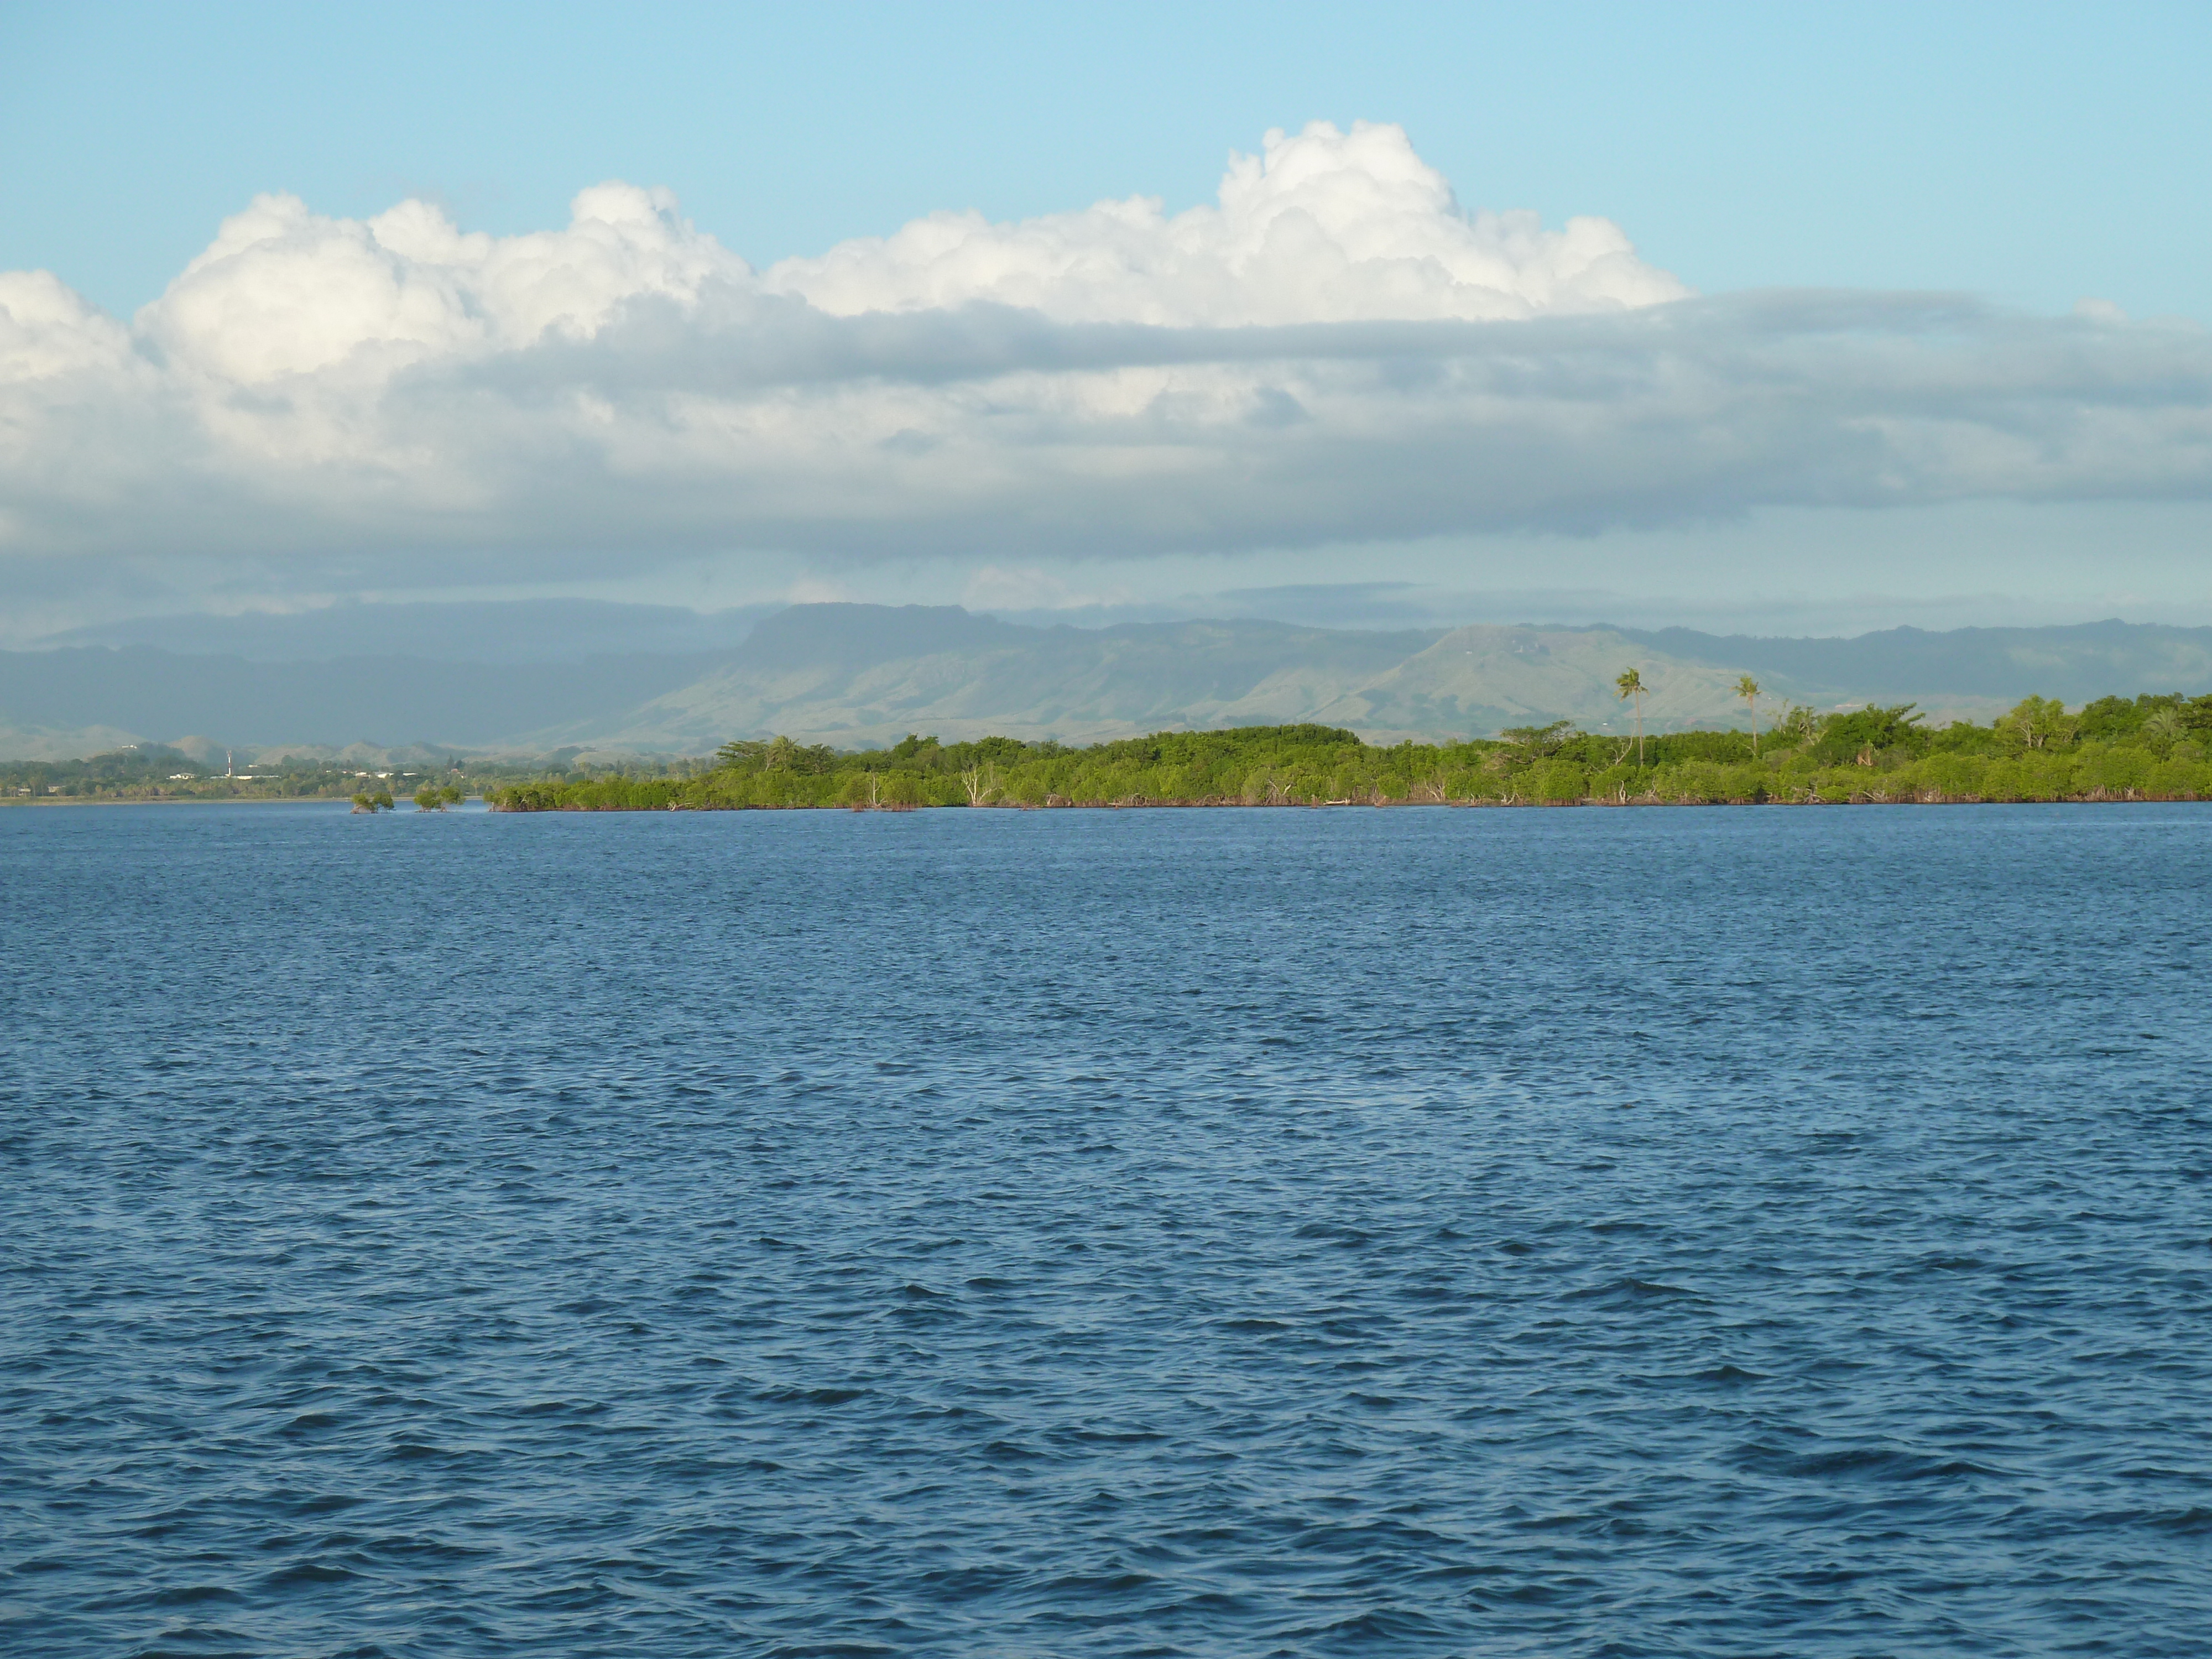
1332, 351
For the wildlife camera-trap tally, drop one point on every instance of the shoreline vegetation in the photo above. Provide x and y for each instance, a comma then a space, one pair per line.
150, 772
2115, 749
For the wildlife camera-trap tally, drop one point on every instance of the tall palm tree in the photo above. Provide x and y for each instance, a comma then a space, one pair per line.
1747, 689
2164, 728
1632, 685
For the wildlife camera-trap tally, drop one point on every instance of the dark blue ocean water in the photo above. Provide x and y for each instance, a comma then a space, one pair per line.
1414, 1232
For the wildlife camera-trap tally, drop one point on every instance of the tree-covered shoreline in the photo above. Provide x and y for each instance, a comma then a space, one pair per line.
2147, 748
142, 773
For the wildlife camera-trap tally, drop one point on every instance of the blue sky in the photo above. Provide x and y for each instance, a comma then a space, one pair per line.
2026, 156
2031, 152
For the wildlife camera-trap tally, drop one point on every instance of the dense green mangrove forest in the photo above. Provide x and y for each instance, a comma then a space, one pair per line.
2147, 748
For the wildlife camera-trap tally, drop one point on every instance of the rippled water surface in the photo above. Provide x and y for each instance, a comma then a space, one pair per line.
1408, 1232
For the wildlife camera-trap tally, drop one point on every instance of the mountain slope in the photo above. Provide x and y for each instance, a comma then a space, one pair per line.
2073, 662
854, 675
851, 675
839, 678
1479, 679
454, 630
381, 700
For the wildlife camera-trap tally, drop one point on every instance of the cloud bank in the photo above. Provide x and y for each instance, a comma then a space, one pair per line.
1334, 350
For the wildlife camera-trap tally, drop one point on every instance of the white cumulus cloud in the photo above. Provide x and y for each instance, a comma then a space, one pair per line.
1332, 350
46, 331
1321, 226
282, 292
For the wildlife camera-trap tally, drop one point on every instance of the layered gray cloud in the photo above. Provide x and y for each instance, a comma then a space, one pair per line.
1334, 352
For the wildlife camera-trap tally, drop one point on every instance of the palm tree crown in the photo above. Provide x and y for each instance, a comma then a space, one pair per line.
1747, 689
1631, 684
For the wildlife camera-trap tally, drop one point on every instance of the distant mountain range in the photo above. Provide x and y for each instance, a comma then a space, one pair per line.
482, 630
48, 697
516, 679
